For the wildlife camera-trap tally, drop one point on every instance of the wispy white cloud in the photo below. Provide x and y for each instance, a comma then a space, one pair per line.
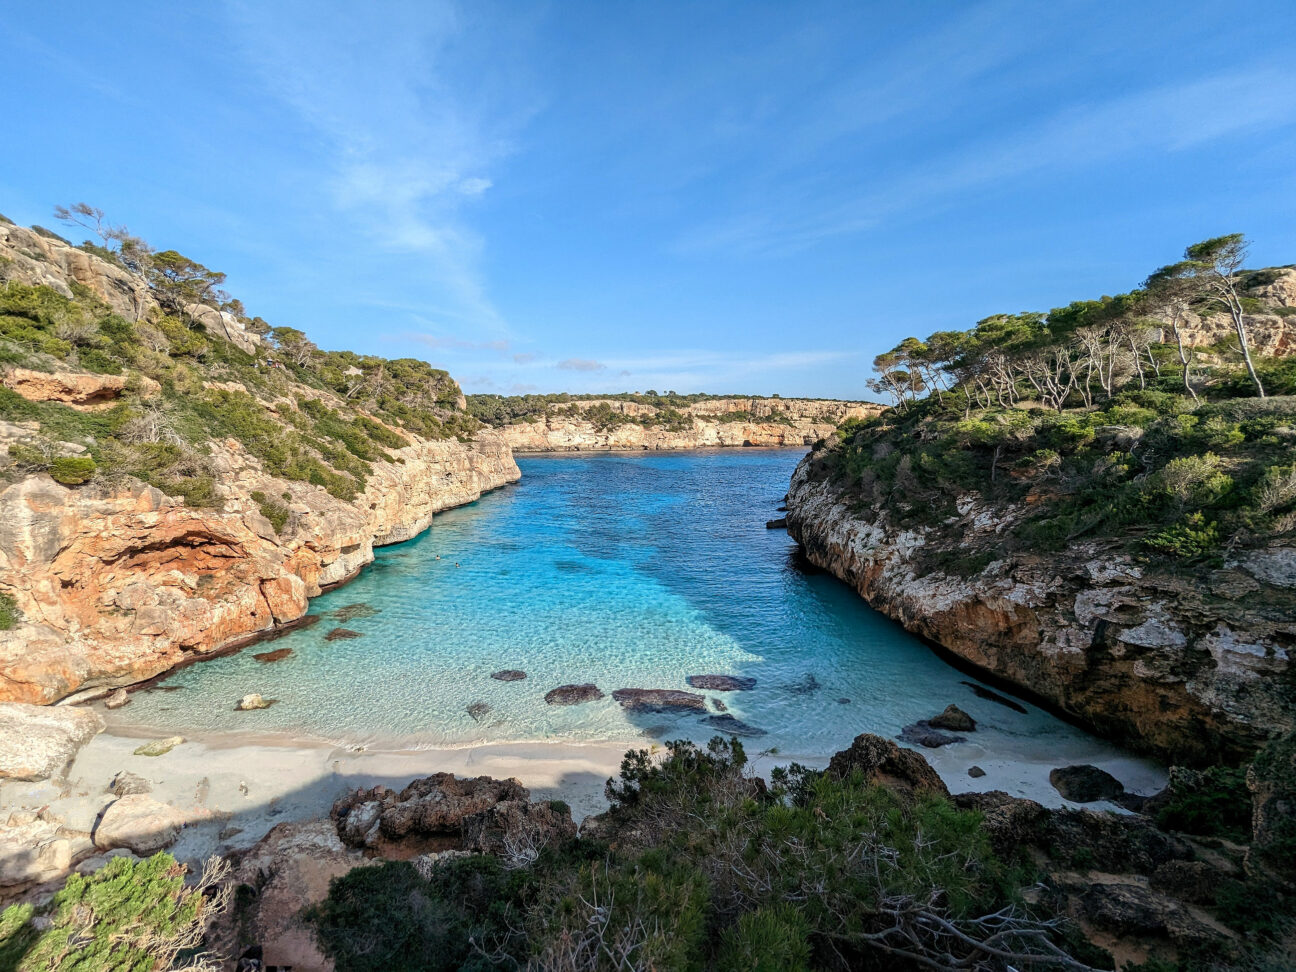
409, 136
1169, 118
580, 364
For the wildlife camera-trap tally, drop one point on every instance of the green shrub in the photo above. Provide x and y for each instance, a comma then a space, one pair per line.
1211, 803
771, 939
130, 914
1189, 539
72, 470
9, 614
273, 510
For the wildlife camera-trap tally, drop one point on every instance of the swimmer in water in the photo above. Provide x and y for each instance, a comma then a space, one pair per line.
456, 563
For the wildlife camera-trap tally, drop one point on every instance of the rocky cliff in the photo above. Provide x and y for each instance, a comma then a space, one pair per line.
615, 425
174, 479
1187, 665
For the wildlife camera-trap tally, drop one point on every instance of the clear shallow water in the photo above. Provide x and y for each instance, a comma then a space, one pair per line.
622, 570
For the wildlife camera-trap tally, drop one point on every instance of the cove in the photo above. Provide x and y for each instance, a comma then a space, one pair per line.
627, 571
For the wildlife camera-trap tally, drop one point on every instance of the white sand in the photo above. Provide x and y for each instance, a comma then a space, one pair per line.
234, 787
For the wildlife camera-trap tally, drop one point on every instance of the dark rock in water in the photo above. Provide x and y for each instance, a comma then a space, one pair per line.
728, 724
778, 524
478, 711
722, 683
719, 706
660, 700
804, 685
984, 693
1085, 784
922, 733
279, 654
509, 675
954, 719
350, 612
573, 694
843, 701
781, 509
338, 634
882, 761
976, 772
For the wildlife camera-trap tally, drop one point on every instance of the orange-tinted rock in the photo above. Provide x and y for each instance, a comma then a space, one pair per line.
82, 391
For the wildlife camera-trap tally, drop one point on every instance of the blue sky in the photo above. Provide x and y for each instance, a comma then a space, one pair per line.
745, 197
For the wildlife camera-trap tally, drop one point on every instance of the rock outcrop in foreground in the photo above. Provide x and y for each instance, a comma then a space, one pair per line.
720, 422
1190, 667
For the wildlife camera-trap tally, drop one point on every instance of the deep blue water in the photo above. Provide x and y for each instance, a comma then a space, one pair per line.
622, 570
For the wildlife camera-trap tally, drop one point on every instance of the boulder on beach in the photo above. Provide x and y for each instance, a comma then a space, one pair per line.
731, 726
38, 741
573, 694
339, 634
127, 783
159, 747
659, 700
509, 675
722, 683
253, 701
976, 772
1085, 784
922, 733
882, 761
954, 719
140, 824
279, 654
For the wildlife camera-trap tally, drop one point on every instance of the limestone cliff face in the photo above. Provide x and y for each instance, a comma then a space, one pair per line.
117, 585
764, 422
1190, 668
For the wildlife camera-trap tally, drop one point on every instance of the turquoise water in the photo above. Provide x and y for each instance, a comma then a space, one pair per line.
621, 570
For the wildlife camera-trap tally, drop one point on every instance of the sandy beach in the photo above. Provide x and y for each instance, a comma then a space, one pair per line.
233, 788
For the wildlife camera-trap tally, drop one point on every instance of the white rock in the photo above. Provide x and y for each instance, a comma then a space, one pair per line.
37, 741
139, 823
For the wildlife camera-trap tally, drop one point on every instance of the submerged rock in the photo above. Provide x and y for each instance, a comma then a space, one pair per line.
843, 701
159, 747
660, 700
573, 694
736, 727
806, 684
254, 701
279, 654
954, 719
37, 741
478, 711
722, 683
719, 705
922, 733
984, 693
509, 675
338, 634
352, 611
779, 524
1085, 784
882, 761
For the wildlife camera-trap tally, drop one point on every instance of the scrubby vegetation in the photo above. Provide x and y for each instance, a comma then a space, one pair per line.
310, 415
130, 914
1095, 421
708, 868
499, 410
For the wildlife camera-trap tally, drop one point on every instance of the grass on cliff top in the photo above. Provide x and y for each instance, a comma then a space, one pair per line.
1155, 473
160, 440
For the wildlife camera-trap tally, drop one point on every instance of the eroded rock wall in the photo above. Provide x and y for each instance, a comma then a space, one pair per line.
770, 422
1188, 667
117, 585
